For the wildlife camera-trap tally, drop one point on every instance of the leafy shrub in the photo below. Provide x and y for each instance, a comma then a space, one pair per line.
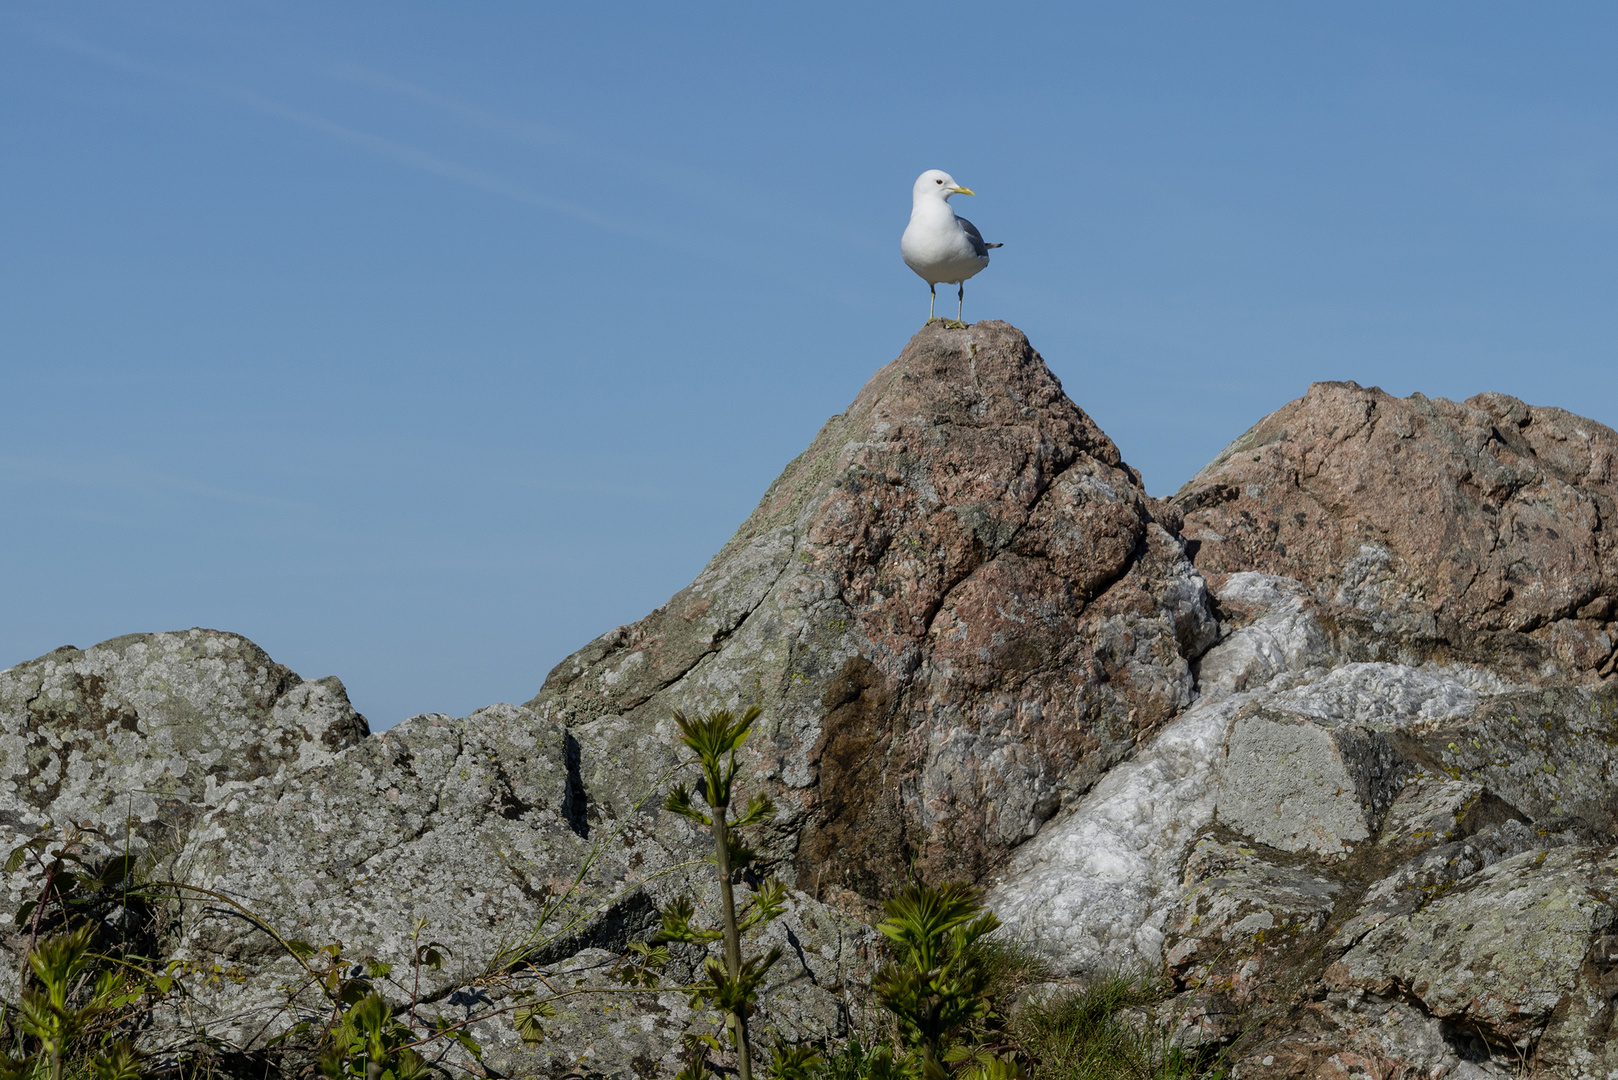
731, 986
88, 980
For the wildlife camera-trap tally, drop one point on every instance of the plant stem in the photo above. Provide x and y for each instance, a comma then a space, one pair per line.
733, 939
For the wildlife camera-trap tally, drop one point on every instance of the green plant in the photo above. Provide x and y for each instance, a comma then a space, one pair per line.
938, 984
853, 1061
71, 1009
362, 1036
369, 1043
794, 1062
1084, 1035
46, 1015
87, 978
731, 986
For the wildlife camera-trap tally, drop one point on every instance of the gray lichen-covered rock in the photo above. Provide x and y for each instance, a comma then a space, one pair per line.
503, 836
1432, 810
1243, 919
1502, 949
139, 729
1551, 752
1299, 785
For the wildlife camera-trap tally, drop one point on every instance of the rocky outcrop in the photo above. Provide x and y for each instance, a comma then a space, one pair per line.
1298, 851
1427, 529
502, 834
958, 608
1397, 778
1327, 741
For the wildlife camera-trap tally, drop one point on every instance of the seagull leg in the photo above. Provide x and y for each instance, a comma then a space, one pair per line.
960, 304
932, 302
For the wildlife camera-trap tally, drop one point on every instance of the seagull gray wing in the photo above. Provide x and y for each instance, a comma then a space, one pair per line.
979, 248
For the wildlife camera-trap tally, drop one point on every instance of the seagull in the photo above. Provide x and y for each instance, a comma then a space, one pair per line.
938, 245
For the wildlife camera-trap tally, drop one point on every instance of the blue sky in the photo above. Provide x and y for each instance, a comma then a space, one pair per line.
423, 343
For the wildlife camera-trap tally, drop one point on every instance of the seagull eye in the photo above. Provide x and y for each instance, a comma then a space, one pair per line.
938, 181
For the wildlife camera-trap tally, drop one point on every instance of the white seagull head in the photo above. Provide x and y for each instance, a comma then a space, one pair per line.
937, 184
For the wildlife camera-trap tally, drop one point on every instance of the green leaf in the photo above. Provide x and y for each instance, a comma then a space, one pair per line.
759, 807
14, 861
301, 949
469, 1044
740, 853
121, 1062
118, 870
641, 964
715, 738
527, 1022
300, 1028
24, 911
799, 1062
354, 991
679, 802
677, 925
769, 902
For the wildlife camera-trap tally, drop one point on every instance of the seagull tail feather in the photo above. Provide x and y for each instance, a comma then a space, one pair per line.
994, 245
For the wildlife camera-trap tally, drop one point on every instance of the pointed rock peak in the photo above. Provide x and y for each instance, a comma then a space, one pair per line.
985, 379
955, 607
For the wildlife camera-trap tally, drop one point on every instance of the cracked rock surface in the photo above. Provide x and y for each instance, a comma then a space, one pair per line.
958, 607
1431, 529
1349, 868
503, 832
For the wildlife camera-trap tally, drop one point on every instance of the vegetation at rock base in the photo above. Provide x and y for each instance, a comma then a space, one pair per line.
92, 980
1091, 1035
731, 986
88, 977
937, 985
957, 997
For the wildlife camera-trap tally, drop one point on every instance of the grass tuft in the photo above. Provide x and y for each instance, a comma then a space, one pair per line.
1085, 1035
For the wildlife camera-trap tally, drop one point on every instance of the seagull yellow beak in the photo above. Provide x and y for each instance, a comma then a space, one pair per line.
963, 191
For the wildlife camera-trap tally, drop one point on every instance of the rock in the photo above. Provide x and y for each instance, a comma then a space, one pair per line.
1315, 767
1095, 889
1299, 786
1432, 529
958, 609
1352, 1037
137, 730
1235, 935
1282, 633
1501, 950
1549, 752
502, 834
1092, 891
1431, 810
